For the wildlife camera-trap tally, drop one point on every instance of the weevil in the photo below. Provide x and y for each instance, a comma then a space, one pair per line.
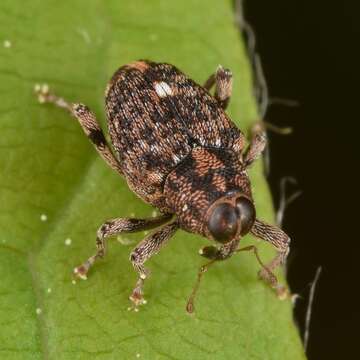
180, 152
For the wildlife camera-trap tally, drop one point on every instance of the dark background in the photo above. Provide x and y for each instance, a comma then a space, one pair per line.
309, 52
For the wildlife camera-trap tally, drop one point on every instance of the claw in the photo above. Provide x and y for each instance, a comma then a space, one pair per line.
137, 299
81, 272
282, 292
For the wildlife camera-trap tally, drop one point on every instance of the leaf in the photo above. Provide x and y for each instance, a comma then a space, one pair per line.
54, 187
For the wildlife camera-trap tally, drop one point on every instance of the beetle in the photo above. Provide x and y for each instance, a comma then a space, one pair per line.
180, 152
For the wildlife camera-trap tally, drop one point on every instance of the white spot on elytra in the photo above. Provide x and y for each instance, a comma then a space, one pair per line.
7, 44
185, 207
176, 158
154, 147
162, 89
38, 311
68, 242
154, 213
43, 217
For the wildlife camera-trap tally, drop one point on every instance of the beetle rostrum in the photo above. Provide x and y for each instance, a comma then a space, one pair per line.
179, 151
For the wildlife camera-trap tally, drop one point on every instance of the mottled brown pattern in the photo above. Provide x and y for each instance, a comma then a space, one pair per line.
152, 134
204, 176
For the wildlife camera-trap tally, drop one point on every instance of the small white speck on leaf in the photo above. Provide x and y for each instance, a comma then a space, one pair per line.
49, 290
44, 88
124, 241
38, 311
138, 355
68, 242
73, 282
7, 44
154, 213
153, 37
85, 35
43, 217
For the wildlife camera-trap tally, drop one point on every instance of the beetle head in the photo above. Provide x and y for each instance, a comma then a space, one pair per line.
229, 217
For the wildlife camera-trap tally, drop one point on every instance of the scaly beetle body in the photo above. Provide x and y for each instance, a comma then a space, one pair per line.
180, 152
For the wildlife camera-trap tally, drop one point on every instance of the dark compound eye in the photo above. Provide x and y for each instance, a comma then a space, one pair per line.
247, 214
223, 222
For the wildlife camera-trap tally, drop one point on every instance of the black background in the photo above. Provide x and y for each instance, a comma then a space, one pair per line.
309, 51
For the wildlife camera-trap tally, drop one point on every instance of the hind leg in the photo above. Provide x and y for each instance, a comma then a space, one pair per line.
86, 119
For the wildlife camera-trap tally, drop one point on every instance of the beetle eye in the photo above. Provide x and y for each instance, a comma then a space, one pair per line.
247, 214
223, 222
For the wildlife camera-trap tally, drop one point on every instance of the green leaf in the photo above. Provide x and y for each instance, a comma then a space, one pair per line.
49, 170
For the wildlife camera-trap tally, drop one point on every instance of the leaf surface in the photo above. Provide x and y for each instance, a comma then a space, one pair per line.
54, 187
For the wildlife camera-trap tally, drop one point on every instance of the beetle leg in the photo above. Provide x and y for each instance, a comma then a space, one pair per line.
144, 251
222, 79
256, 147
113, 227
220, 253
87, 121
281, 242
215, 254
265, 231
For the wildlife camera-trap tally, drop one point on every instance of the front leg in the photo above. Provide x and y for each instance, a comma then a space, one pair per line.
219, 253
281, 242
144, 251
215, 254
223, 85
114, 227
267, 232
